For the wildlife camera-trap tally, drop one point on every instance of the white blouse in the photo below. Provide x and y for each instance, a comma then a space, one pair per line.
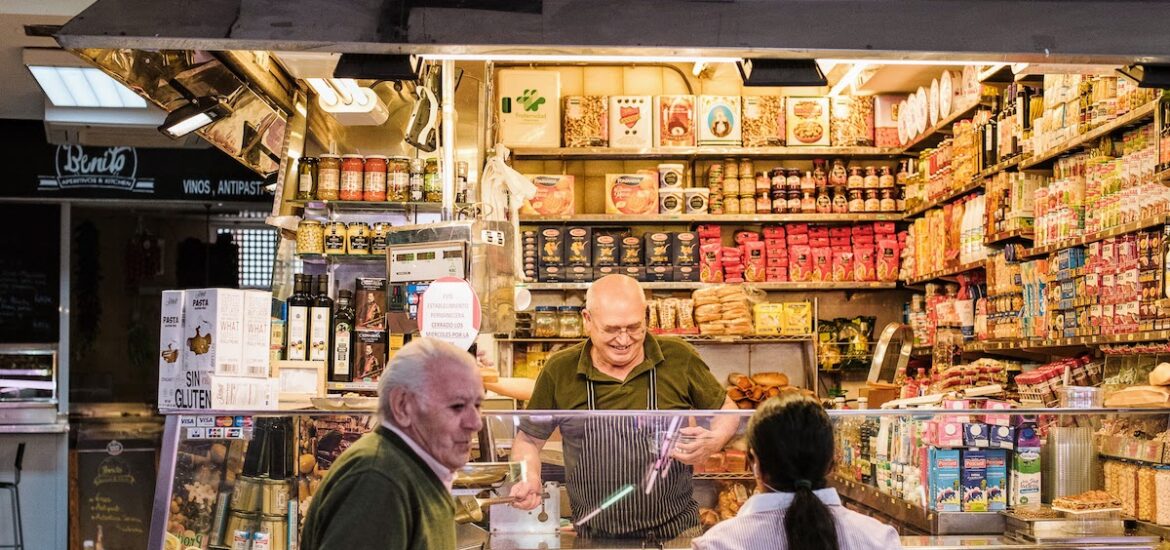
760, 525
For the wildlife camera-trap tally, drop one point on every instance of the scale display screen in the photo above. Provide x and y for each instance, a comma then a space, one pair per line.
426, 262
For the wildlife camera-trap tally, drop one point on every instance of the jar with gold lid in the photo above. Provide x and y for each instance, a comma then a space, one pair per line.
359, 238
545, 323
569, 322
336, 238
310, 237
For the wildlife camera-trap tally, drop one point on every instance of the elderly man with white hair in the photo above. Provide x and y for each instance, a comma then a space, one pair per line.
391, 489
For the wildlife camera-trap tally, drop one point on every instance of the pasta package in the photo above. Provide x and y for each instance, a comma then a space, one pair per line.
674, 120
554, 196
797, 319
586, 121
807, 121
763, 121
769, 318
851, 124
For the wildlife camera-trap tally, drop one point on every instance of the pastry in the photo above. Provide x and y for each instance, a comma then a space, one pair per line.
1088, 500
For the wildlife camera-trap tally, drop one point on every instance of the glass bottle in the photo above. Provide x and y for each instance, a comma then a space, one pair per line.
838, 175
871, 179
321, 322
341, 363
840, 203
306, 179
820, 176
298, 319
824, 203
856, 180
432, 181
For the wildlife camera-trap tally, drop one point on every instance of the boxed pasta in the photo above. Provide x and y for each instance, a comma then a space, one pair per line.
635, 194
631, 124
719, 120
170, 344
257, 332
552, 246
769, 318
807, 121
605, 250
852, 120
686, 274
579, 246
213, 324
797, 319
659, 274
631, 251
577, 274
586, 121
763, 121
685, 249
658, 249
554, 196
530, 108
674, 121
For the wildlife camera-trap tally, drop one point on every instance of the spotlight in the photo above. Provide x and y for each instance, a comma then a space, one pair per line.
377, 67
1147, 75
781, 72
200, 112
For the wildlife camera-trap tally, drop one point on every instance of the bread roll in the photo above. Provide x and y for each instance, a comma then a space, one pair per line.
708, 318
727, 290
1160, 376
708, 309
745, 404
769, 379
740, 380
735, 393
706, 293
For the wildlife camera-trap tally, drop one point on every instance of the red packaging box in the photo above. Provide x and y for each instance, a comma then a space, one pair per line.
797, 239
839, 232
884, 228
842, 266
746, 236
819, 242
864, 240
776, 261
755, 261
774, 232
840, 241
818, 232
772, 244
710, 231
800, 263
888, 255
796, 229
864, 267
822, 263
776, 274
862, 230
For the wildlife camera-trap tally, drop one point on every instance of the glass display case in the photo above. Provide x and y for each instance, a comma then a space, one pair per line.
973, 474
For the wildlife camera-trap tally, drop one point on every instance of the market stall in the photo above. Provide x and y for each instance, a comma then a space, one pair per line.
1005, 202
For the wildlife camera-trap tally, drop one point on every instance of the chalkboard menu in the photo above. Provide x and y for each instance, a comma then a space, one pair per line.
30, 267
115, 485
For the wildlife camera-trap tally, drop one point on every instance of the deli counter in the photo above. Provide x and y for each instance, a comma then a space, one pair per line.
232, 479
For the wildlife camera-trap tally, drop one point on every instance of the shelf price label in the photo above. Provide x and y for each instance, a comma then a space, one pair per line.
449, 310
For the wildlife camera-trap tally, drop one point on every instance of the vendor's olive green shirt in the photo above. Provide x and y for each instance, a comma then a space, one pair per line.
683, 382
379, 494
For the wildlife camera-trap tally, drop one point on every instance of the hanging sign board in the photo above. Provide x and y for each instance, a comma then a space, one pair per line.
449, 310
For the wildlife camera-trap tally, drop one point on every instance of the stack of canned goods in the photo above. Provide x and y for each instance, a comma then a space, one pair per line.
375, 178
258, 516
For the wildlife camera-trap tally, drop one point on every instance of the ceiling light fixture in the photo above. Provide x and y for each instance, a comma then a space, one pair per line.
200, 112
83, 87
570, 58
849, 79
781, 72
1147, 75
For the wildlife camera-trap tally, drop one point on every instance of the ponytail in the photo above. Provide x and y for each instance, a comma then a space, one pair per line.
792, 440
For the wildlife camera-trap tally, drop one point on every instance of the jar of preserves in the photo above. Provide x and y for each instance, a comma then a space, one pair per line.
837, 174
328, 177
885, 178
380, 238
545, 323
872, 202
731, 187
714, 174
569, 322
416, 188
352, 176
432, 182
359, 238
763, 204
730, 168
374, 183
820, 177
336, 238
888, 203
398, 179
310, 237
840, 203
871, 180
747, 204
306, 179
746, 168
793, 201
763, 184
730, 204
856, 180
808, 203
856, 202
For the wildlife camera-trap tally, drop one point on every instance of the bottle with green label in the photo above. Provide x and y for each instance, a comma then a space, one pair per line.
341, 365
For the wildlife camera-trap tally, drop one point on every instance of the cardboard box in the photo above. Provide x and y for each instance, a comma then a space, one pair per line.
599, 272
657, 248
631, 251
637, 272
851, 124
949, 434
369, 355
807, 120
976, 435
634, 194
171, 343
685, 249
720, 121
674, 121
554, 196
974, 477
551, 274
577, 274
631, 122
763, 121
606, 250
552, 246
370, 303
686, 274
257, 332
769, 318
529, 112
944, 480
586, 121
797, 319
214, 327
579, 246
997, 480
659, 274
885, 120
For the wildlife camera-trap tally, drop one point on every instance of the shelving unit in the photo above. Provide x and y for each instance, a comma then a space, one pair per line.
1003, 166
1080, 341
341, 258
971, 186
794, 286
994, 238
933, 135
694, 338
948, 273
1133, 117
691, 153
375, 206
351, 386
668, 219
1131, 227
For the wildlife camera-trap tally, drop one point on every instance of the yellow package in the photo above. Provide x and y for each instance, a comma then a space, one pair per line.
769, 318
797, 319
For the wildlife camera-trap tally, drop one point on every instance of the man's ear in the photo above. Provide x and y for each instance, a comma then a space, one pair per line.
402, 407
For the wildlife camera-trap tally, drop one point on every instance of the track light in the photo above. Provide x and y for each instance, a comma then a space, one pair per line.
1147, 75
377, 66
200, 112
781, 72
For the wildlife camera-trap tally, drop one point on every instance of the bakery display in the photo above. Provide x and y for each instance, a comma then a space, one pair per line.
1087, 501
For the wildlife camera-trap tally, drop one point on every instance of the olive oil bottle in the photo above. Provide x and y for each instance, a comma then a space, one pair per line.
320, 321
298, 319
341, 363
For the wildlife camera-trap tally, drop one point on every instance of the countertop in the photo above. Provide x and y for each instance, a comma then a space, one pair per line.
955, 542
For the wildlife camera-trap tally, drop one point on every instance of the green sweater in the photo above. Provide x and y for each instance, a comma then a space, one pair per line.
380, 495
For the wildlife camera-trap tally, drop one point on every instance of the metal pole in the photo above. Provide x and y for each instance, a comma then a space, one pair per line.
447, 104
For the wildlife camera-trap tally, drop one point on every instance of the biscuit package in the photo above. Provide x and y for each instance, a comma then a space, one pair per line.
807, 121
634, 194
763, 121
554, 196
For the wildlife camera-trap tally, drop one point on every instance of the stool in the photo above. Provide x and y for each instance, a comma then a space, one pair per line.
13, 489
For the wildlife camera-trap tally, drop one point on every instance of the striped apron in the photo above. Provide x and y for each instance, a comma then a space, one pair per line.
618, 451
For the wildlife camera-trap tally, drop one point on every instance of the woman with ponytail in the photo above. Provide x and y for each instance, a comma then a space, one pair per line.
790, 441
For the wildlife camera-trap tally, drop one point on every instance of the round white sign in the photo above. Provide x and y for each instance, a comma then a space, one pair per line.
449, 310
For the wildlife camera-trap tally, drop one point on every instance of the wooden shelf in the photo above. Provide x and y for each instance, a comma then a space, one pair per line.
947, 273
791, 286
1003, 166
352, 386
1080, 341
668, 153
1130, 227
935, 133
898, 509
971, 186
669, 219
1007, 235
374, 206
1133, 117
1163, 176
694, 338
728, 476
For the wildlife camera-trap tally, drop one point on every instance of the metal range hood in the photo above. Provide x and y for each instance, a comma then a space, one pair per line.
981, 30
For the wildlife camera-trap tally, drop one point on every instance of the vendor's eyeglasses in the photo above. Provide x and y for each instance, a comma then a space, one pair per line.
635, 331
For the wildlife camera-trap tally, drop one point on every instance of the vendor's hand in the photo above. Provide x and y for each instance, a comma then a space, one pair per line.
487, 370
701, 444
528, 493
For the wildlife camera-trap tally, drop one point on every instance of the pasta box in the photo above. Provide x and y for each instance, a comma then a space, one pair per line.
551, 246
719, 120
551, 274
631, 123
686, 274
529, 111
579, 246
634, 272
171, 343
606, 250
685, 248
658, 249
554, 196
599, 272
586, 121
659, 274
763, 121
634, 194
631, 251
213, 324
674, 121
577, 274
807, 121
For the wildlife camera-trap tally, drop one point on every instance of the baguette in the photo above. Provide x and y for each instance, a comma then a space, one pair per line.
770, 379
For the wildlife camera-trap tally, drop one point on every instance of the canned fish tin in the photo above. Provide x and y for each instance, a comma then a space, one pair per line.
272, 533
240, 528
335, 238
697, 200
670, 201
246, 496
275, 495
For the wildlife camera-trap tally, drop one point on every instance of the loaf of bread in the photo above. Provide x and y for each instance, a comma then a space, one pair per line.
1160, 376
770, 379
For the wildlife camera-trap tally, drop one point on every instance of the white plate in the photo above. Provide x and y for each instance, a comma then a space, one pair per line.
921, 116
970, 85
946, 92
934, 105
328, 403
903, 114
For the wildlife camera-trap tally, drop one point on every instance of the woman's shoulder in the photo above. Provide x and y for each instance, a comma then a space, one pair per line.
859, 531
742, 533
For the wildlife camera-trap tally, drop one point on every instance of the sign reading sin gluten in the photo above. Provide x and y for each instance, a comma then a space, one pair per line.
449, 310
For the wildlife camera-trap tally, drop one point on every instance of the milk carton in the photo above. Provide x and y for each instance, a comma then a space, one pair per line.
257, 332
214, 331
944, 483
974, 481
997, 490
170, 345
